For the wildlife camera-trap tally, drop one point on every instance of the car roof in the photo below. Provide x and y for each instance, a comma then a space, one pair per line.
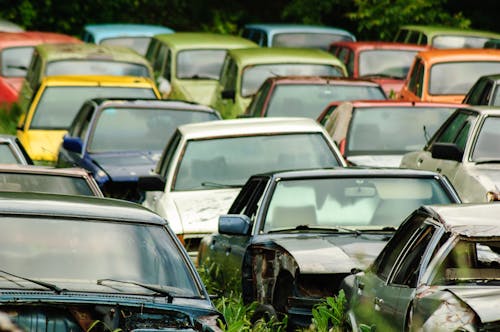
350, 172
370, 45
398, 103
33, 38
101, 80
35, 169
250, 56
23, 204
153, 103
203, 40
333, 80
279, 28
104, 31
435, 29
470, 220
54, 52
459, 54
244, 127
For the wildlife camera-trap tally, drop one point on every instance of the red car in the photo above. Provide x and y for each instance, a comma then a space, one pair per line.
16, 49
307, 96
386, 63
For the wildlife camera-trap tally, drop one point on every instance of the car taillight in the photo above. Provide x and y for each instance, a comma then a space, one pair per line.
492, 196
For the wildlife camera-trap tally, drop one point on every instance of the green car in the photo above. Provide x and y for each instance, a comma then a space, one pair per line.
444, 37
245, 70
187, 64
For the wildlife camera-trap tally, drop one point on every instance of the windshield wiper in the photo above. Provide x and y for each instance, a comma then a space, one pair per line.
488, 161
158, 290
220, 185
38, 282
305, 227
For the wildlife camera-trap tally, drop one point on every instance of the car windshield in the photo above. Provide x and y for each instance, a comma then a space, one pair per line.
15, 61
486, 147
58, 105
255, 75
7, 155
308, 100
96, 67
57, 184
138, 44
370, 202
231, 160
471, 260
308, 39
74, 254
391, 63
458, 77
373, 129
453, 41
200, 64
146, 129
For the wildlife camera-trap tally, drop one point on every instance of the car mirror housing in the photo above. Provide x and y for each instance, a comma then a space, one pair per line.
151, 183
73, 144
234, 224
448, 151
228, 94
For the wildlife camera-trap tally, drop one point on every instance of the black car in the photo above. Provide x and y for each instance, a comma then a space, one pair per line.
74, 263
290, 237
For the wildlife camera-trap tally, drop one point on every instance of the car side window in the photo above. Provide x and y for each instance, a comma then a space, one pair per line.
401, 36
248, 200
484, 98
167, 70
159, 60
414, 37
255, 107
34, 71
496, 96
388, 256
407, 269
168, 154
417, 78
229, 80
453, 127
151, 51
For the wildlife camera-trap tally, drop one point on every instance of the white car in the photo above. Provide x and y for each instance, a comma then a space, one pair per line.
204, 166
466, 150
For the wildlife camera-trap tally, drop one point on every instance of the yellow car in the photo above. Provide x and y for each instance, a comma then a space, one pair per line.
57, 101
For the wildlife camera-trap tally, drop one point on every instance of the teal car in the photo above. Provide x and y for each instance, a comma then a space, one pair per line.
295, 35
187, 65
444, 37
134, 36
245, 70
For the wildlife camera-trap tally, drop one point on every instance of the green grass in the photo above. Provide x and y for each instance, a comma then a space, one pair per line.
8, 120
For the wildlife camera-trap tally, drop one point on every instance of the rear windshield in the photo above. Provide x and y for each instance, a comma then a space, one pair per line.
138, 44
15, 61
56, 184
308, 40
58, 105
458, 77
309, 100
451, 41
389, 63
96, 67
254, 76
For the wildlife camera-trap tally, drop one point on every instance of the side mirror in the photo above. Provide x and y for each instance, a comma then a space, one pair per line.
151, 183
73, 144
234, 224
228, 94
448, 151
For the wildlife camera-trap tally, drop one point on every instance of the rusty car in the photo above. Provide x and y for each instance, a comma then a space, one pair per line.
290, 237
439, 272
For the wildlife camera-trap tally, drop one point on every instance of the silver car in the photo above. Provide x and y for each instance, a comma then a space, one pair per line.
465, 149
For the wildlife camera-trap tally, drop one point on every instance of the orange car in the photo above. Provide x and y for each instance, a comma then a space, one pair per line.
16, 49
447, 75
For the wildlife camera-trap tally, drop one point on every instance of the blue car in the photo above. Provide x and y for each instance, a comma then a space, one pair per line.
135, 36
295, 35
75, 263
118, 141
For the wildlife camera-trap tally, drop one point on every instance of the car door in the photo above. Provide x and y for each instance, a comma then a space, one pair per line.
371, 303
230, 249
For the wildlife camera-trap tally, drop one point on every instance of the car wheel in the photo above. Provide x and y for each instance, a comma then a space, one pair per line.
263, 312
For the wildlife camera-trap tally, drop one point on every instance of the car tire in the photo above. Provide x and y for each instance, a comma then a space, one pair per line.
265, 312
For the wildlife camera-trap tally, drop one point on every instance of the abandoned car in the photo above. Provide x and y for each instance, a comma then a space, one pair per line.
291, 237
75, 263
440, 272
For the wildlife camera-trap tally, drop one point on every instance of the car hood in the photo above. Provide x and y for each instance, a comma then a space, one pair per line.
377, 160
127, 166
199, 210
333, 253
480, 299
199, 91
